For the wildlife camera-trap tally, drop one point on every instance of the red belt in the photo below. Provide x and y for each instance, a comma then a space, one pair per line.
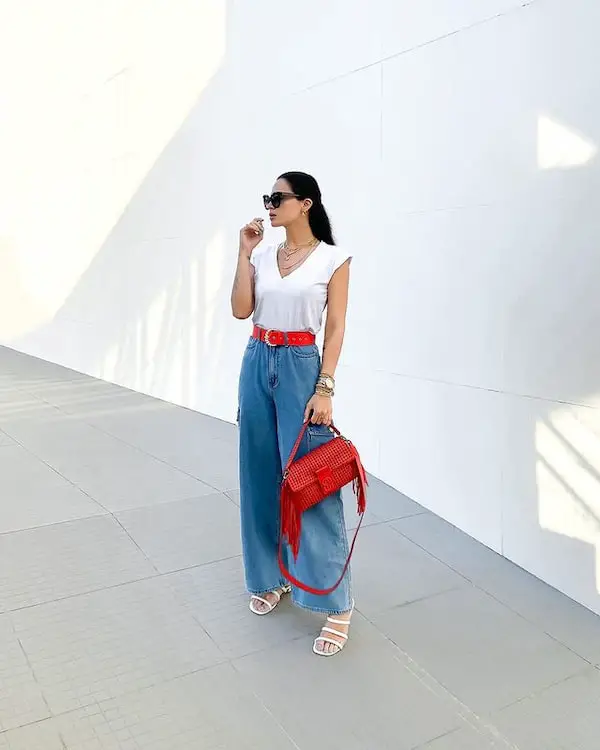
279, 338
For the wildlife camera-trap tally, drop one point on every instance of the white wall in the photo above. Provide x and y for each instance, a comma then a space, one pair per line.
455, 141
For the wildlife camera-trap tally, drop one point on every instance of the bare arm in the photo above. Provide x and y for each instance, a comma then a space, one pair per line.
242, 294
319, 409
335, 326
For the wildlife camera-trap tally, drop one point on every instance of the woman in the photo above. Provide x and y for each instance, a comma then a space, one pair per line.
282, 384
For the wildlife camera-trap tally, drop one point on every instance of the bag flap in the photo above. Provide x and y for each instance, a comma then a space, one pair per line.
303, 472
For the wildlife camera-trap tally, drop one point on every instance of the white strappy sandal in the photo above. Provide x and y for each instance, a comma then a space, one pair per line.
270, 605
324, 639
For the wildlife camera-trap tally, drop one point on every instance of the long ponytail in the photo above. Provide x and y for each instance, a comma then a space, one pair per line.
305, 186
320, 224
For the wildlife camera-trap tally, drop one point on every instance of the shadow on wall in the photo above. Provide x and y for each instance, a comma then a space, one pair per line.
149, 311
553, 352
551, 514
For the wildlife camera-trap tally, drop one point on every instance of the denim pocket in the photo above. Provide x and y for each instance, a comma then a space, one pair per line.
319, 433
305, 352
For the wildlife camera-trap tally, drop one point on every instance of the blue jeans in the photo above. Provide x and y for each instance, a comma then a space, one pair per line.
275, 386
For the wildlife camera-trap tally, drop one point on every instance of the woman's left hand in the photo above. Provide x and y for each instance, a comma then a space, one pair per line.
321, 408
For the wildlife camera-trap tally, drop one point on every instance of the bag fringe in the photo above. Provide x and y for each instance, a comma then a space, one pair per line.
359, 485
291, 521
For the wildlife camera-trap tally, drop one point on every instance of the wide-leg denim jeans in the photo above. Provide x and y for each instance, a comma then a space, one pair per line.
275, 386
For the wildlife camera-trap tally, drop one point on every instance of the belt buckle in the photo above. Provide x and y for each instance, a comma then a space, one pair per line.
267, 337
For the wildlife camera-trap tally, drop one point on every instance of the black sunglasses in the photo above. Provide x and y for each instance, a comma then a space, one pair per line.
275, 199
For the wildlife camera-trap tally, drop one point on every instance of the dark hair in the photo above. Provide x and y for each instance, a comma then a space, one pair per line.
305, 186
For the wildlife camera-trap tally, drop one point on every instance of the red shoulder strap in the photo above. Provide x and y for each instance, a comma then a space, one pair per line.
309, 589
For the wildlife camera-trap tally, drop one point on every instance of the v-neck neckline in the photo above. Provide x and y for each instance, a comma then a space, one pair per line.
291, 273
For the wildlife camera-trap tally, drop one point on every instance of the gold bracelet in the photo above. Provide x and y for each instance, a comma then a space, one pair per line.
325, 381
324, 392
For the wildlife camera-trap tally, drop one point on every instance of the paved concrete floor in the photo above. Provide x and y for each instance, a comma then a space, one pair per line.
123, 619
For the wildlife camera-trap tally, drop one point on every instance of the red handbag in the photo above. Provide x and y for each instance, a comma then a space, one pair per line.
310, 479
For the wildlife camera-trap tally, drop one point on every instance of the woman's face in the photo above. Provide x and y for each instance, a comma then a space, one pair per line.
288, 208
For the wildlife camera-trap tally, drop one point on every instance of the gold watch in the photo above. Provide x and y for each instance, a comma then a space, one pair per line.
326, 381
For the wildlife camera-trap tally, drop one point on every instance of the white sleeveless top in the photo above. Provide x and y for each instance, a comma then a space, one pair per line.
295, 302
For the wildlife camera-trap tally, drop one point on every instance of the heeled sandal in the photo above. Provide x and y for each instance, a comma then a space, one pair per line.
324, 639
270, 605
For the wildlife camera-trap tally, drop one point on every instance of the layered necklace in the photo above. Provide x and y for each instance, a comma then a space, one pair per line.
291, 257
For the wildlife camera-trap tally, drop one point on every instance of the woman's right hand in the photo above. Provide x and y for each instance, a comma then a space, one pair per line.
250, 236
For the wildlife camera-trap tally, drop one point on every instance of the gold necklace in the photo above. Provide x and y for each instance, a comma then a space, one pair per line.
287, 265
289, 251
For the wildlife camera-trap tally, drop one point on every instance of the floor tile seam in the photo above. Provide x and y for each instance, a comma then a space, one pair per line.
32, 453
138, 579
164, 503
53, 524
117, 387
546, 688
476, 721
80, 594
428, 552
113, 513
53, 717
249, 685
32, 670
137, 448
430, 742
456, 731
27, 725
188, 568
21, 390
370, 524
252, 652
231, 500
188, 607
135, 544
416, 600
118, 439
191, 611
480, 587
231, 489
